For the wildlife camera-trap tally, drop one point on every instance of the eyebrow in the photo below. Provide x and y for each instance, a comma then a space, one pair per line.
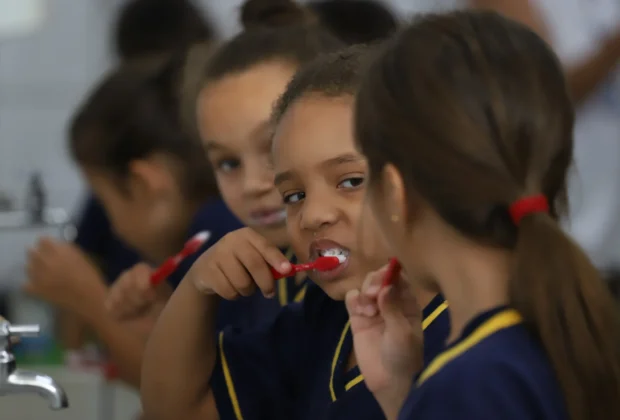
342, 159
335, 161
212, 145
259, 131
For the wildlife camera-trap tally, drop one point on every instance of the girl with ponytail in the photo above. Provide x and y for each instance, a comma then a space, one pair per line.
467, 124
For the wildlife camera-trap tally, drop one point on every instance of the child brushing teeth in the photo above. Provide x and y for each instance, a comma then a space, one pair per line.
301, 366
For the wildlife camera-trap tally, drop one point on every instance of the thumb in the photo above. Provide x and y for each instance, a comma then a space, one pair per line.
391, 309
143, 269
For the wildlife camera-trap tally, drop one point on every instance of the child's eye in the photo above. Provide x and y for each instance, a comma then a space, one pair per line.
227, 165
353, 182
293, 197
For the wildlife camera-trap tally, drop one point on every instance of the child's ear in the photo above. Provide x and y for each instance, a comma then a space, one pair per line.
394, 193
150, 177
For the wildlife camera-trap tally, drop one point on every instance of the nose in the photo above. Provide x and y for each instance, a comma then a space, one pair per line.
258, 178
318, 212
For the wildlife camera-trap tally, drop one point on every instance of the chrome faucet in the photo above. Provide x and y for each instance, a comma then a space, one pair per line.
17, 381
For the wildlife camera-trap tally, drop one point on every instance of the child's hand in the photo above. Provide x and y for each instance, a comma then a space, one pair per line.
237, 264
132, 294
386, 324
61, 274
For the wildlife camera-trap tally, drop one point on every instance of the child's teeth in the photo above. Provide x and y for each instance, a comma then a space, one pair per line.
332, 252
341, 254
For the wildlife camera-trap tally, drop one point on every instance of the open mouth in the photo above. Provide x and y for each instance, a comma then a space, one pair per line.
269, 217
341, 253
329, 248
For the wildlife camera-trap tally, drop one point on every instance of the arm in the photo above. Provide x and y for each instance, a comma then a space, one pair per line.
124, 346
183, 358
61, 274
175, 386
71, 330
521, 11
582, 78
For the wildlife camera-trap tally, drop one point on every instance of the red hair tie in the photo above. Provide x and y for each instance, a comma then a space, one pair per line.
528, 205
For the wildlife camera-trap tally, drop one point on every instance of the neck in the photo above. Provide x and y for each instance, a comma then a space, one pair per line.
423, 296
476, 280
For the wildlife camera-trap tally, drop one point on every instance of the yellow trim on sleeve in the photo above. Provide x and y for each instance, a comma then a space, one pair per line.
228, 378
500, 321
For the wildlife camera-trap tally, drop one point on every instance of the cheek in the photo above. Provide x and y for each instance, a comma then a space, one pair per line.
129, 223
231, 191
299, 241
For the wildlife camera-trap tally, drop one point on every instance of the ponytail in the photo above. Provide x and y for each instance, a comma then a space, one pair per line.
565, 303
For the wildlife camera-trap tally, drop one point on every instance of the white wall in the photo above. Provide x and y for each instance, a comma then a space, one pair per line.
43, 76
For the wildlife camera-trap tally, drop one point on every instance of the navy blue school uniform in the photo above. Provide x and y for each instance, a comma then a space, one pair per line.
296, 367
96, 237
246, 312
497, 369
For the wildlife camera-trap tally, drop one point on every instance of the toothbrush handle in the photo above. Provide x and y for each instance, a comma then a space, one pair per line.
295, 268
392, 273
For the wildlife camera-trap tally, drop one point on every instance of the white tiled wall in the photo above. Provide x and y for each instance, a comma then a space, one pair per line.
43, 76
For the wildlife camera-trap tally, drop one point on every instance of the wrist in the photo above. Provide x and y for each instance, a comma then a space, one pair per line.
191, 294
392, 398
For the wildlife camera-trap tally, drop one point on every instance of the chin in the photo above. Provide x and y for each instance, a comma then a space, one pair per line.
337, 289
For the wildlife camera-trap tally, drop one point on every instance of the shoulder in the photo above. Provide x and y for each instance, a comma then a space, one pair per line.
509, 353
505, 376
215, 217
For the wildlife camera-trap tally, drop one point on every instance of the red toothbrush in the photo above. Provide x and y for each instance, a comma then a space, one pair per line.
393, 271
172, 263
320, 264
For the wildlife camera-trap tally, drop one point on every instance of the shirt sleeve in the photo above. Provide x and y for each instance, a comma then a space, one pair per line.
255, 372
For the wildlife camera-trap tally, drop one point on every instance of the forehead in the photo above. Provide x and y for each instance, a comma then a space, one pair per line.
235, 104
314, 129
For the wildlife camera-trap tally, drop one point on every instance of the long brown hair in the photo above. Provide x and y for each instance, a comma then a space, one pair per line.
474, 111
135, 113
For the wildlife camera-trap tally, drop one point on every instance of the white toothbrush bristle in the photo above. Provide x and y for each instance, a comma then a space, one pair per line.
202, 236
341, 254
